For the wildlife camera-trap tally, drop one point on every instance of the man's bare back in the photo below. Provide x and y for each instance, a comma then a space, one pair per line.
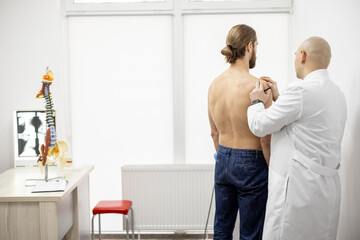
228, 104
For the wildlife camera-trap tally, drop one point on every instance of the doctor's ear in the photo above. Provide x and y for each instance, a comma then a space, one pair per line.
302, 56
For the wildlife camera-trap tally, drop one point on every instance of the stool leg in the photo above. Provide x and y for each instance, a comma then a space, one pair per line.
99, 228
127, 227
132, 223
92, 227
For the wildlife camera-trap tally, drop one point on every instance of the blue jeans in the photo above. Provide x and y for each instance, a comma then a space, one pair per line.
241, 178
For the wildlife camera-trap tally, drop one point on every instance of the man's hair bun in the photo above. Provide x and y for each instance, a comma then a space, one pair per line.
227, 52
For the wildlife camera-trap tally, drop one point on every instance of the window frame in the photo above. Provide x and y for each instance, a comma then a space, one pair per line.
173, 6
71, 8
242, 5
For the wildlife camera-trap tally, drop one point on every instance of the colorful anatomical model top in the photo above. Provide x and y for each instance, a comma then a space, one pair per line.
53, 149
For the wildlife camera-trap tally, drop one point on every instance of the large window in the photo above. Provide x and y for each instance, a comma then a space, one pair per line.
139, 73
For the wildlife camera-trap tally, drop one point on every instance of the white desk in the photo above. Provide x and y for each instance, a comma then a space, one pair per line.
44, 216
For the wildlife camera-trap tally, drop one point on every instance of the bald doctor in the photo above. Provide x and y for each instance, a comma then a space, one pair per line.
307, 124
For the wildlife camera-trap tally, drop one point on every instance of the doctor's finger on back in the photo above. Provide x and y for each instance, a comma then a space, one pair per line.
258, 84
258, 92
273, 84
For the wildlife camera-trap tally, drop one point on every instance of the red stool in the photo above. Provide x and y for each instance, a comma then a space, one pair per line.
121, 207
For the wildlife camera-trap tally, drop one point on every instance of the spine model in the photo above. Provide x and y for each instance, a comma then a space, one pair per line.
53, 149
50, 123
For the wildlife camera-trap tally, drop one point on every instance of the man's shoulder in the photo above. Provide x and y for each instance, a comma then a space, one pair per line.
213, 85
217, 82
230, 81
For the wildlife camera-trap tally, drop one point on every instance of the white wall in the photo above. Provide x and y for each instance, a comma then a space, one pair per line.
30, 40
339, 23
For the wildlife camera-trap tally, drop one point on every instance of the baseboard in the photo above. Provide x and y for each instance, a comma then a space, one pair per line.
154, 236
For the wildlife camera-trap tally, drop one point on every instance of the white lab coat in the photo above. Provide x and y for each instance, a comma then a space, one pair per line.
307, 124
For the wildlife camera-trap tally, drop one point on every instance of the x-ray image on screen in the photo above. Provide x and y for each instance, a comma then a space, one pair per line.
31, 131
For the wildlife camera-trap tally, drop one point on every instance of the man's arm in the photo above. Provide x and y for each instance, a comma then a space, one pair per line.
214, 131
265, 145
266, 141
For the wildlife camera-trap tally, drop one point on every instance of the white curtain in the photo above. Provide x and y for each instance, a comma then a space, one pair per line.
121, 97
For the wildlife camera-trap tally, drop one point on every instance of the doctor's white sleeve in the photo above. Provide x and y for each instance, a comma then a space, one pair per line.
286, 110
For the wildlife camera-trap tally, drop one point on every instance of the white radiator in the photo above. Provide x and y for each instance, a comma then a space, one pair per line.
169, 197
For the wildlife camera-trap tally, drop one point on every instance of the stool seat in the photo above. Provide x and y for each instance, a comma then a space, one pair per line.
116, 206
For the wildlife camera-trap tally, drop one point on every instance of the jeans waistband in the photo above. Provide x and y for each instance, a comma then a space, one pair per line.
240, 152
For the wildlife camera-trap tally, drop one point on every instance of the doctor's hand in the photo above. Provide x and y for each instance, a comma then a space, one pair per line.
258, 92
274, 88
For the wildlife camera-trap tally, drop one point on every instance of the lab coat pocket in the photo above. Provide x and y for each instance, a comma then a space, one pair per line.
278, 187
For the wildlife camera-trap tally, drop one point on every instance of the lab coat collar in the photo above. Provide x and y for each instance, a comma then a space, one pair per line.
320, 73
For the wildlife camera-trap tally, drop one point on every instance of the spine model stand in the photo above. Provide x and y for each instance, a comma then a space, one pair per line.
53, 149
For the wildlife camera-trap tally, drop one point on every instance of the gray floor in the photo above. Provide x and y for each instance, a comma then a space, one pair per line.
154, 236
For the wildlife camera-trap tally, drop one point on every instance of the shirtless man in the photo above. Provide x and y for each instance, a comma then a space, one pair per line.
241, 169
